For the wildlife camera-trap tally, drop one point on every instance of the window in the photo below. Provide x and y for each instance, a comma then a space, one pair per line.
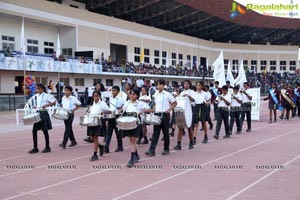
188, 57
8, 41
156, 53
48, 47
67, 51
263, 62
156, 61
137, 50
254, 65
109, 82
32, 46
79, 82
262, 68
282, 68
181, 63
95, 81
146, 59
245, 62
146, 52
173, 55
282, 62
164, 62
173, 62
194, 60
273, 68
137, 59
180, 56
292, 65
273, 65
253, 62
65, 81
235, 65
273, 62
164, 54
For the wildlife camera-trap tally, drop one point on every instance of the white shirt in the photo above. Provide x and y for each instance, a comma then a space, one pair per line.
123, 95
135, 107
221, 103
117, 101
234, 102
75, 94
245, 99
98, 107
163, 101
43, 99
201, 97
70, 103
208, 95
145, 97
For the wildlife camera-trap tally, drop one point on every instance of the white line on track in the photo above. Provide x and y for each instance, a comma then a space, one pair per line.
261, 179
209, 162
157, 182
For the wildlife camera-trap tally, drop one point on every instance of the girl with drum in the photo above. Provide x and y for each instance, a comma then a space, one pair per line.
133, 107
69, 103
144, 99
43, 101
97, 108
191, 95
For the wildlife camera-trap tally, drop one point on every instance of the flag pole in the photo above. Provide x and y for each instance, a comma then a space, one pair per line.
22, 47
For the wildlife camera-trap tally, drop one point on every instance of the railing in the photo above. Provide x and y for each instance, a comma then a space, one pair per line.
11, 102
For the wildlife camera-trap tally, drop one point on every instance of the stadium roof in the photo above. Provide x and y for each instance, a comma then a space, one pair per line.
205, 19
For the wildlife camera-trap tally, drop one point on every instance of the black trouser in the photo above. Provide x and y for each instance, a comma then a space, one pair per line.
209, 118
69, 130
35, 138
164, 126
235, 116
223, 114
111, 127
215, 110
296, 110
246, 110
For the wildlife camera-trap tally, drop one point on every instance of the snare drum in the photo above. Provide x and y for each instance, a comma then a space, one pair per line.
127, 123
32, 118
90, 120
183, 112
61, 114
152, 119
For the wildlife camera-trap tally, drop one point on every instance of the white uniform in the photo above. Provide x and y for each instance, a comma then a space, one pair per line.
201, 97
145, 97
234, 102
221, 103
70, 103
134, 107
245, 99
116, 102
98, 108
43, 99
190, 93
163, 101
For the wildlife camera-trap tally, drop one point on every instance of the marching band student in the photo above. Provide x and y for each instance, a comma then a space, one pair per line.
223, 101
134, 108
206, 89
287, 101
145, 99
69, 103
297, 95
43, 101
215, 91
235, 109
116, 103
201, 99
98, 107
274, 101
191, 95
246, 106
164, 104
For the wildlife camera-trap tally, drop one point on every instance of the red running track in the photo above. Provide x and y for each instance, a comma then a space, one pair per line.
263, 164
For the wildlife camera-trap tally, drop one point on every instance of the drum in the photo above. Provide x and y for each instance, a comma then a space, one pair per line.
60, 113
32, 118
113, 115
127, 123
90, 120
152, 119
183, 112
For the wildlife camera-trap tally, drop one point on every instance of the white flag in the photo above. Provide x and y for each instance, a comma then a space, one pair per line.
219, 71
22, 39
58, 46
241, 79
229, 75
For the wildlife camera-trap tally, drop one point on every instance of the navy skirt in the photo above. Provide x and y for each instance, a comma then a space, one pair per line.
45, 124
